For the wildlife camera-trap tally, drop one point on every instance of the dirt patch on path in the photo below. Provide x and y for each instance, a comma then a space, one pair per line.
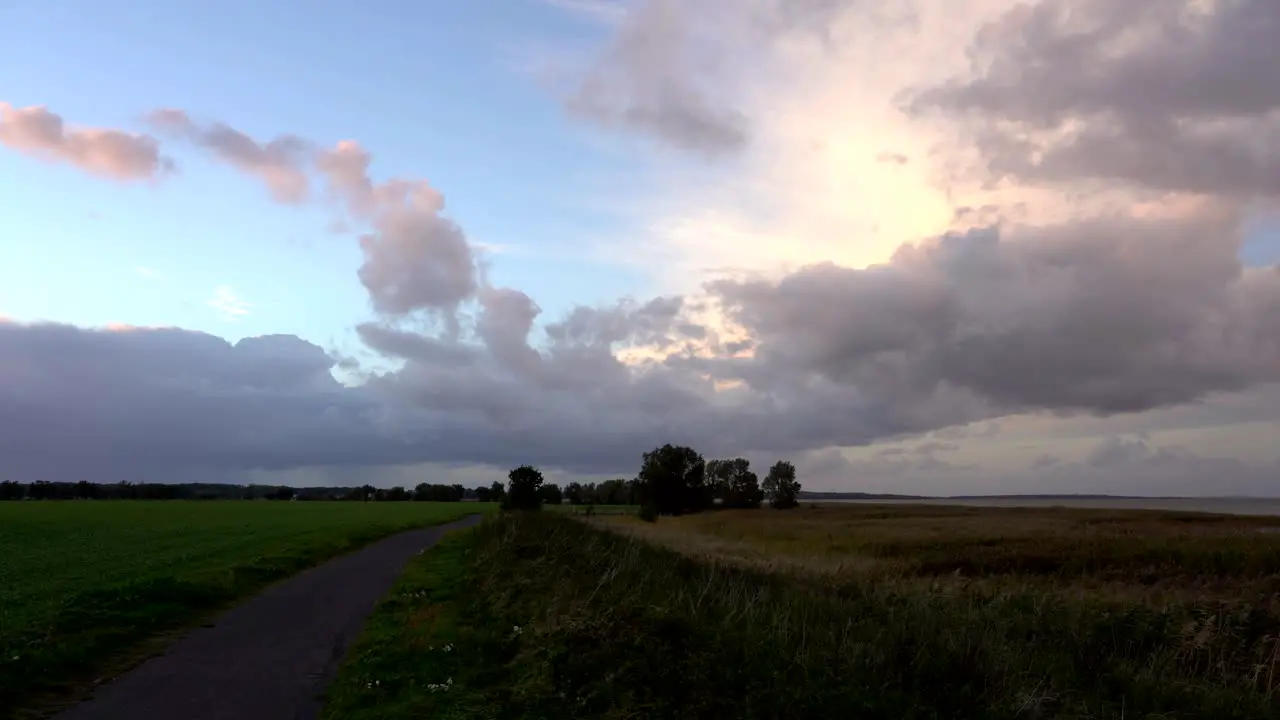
271, 657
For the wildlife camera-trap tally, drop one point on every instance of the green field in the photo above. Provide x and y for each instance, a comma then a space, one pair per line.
83, 582
838, 611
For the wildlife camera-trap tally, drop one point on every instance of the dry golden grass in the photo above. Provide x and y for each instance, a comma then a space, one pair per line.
1125, 554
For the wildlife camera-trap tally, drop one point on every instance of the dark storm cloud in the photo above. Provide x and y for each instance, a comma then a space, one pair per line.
1161, 93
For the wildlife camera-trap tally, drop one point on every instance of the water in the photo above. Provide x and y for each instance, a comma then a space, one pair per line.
1229, 506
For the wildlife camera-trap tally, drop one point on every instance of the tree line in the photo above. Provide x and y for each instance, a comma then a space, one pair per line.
83, 490
673, 480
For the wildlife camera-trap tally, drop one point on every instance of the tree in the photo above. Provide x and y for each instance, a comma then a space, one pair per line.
497, 493
781, 487
550, 494
672, 481
281, 493
718, 473
523, 486
574, 493
744, 487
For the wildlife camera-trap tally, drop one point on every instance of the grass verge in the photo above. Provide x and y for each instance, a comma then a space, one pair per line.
417, 655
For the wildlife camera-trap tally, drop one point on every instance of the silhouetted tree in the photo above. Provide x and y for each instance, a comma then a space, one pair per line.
550, 494
281, 493
523, 486
781, 487
574, 494
429, 492
742, 488
497, 493
672, 481
718, 473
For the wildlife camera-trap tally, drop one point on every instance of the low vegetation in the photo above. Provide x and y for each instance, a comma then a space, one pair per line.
855, 611
83, 582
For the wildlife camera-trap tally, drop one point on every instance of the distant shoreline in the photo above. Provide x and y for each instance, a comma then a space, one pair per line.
807, 495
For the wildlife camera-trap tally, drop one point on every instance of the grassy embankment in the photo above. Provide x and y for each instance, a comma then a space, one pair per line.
865, 611
83, 585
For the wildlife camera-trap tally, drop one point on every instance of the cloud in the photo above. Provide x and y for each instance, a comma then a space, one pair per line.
604, 11
1171, 95
229, 305
670, 70
811, 81
981, 325
640, 82
893, 158
1137, 469
279, 163
1101, 316
159, 404
1114, 451
1019, 302
117, 154
414, 257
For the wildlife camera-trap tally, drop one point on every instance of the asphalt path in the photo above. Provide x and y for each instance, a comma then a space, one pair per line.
271, 657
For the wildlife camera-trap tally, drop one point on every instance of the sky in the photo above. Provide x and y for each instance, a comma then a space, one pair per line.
931, 247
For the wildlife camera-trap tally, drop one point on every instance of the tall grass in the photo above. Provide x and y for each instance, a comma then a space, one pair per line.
614, 627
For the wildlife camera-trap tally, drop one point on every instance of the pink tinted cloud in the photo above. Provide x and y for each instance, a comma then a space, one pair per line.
36, 131
280, 163
415, 258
